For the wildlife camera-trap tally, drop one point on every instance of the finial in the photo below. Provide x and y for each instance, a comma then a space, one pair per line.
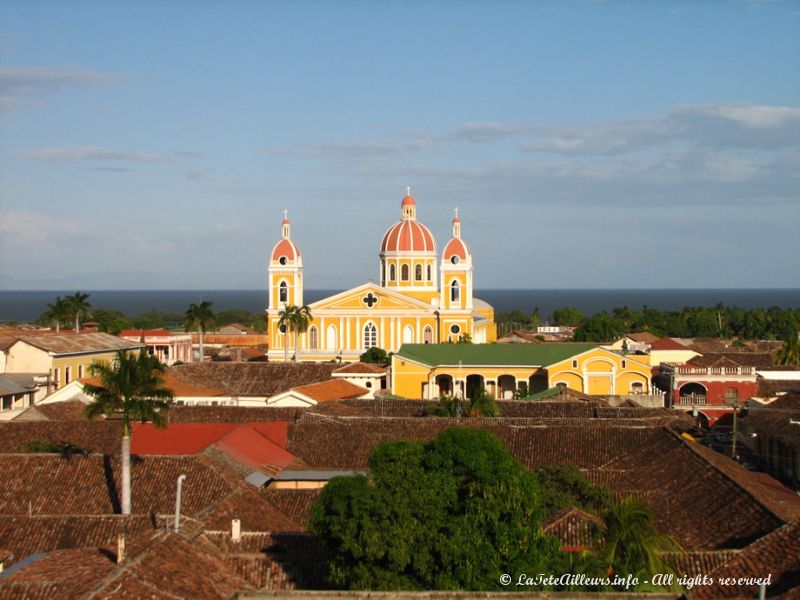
285, 213
456, 209
408, 190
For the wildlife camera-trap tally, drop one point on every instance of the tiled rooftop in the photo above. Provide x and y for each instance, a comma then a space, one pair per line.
71, 343
333, 389
95, 436
253, 378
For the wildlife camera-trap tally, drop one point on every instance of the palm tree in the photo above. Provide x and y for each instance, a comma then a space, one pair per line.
78, 306
57, 312
299, 323
633, 544
287, 317
131, 386
200, 317
790, 353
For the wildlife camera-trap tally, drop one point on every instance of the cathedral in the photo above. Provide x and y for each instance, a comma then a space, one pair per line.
417, 301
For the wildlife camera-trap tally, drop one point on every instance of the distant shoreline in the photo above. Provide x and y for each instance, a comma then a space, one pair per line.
29, 305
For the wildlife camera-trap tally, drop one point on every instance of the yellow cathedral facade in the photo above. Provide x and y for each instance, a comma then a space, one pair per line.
422, 298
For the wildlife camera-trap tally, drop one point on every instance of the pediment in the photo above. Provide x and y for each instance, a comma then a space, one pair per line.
359, 298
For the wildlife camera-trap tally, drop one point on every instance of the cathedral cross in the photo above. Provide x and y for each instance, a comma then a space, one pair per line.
369, 300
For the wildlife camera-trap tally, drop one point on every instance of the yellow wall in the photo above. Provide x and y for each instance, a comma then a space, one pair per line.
598, 372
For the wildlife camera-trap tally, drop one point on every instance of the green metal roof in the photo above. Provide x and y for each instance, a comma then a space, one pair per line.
535, 355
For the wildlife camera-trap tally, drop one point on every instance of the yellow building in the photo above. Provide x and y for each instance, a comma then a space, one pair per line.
506, 370
416, 301
63, 357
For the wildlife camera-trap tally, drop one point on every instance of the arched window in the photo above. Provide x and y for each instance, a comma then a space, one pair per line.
429, 273
427, 335
455, 291
283, 292
370, 336
404, 272
330, 338
418, 273
313, 339
392, 273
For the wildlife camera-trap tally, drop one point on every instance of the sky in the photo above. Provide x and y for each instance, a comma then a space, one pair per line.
587, 144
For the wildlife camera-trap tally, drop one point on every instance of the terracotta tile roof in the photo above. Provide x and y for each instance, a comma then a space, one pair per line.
643, 337
743, 359
361, 368
26, 535
699, 563
253, 378
177, 438
575, 528
703, 499
178, 387
89, 485
95, 436
295, 504
287, 561
261, 445
777, 553
69, 410
9, 335
255, 512
232, 414
59, 574
172, 567
333, 389
667, 344
778, 420
70, 343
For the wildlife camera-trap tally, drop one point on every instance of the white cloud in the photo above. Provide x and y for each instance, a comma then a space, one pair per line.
22, 86
88, 153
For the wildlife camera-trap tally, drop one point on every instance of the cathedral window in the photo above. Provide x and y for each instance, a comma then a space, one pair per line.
283, 292
392, 273
429, 272
283, 260
313, 339
404, 272
427, 335
418, 273
455, 292
454, 259
370, 336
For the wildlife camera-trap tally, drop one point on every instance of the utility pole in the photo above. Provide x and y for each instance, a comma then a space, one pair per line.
735, 404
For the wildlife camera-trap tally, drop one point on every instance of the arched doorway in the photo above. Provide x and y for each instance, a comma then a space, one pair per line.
692, 393
507, 385
475, 386
444, 385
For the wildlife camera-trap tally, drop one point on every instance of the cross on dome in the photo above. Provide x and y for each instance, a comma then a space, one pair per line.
285, 214
408, 190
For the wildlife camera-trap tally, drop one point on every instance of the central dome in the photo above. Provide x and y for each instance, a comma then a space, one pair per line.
408, 235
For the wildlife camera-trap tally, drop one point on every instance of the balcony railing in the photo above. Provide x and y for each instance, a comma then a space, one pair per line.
692, 400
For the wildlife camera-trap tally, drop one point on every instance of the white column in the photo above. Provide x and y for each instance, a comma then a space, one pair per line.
383, 332
347, 323
418, 338
391, 333
359, 336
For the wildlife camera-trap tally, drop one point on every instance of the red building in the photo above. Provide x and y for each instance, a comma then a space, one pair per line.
715, 382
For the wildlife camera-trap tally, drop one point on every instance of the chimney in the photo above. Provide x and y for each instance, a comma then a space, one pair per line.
121, 552
236, 530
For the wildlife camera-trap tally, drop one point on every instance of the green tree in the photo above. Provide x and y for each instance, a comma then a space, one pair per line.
111, 321
132, 387
564, 486
78, 306
376, 356
601, 327
789, 355
452, 514
233, 315
567, 316
200, 317
57, 312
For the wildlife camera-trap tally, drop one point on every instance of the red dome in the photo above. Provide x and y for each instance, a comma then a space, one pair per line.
408, 236
409, 201
456, 247
285, 248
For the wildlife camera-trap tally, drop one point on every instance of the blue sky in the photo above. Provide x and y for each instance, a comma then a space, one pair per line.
588, 144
